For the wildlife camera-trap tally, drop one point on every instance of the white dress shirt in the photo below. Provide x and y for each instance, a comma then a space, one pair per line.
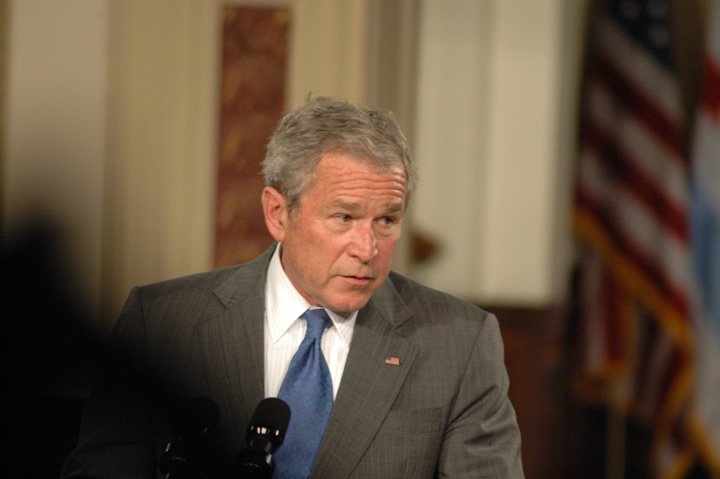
284, 330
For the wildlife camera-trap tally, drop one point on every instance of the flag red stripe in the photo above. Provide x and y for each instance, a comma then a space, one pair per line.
711, 95
632, 252
621, 168
635, 101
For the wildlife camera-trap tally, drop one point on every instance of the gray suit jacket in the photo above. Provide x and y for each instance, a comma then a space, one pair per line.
442, 412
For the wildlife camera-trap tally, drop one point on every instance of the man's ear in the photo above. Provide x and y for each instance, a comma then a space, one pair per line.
275, 211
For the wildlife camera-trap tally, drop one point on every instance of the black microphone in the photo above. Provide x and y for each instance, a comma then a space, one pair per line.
188, 455
265, 434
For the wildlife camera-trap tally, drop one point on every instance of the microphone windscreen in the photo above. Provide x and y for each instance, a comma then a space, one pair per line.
272, 413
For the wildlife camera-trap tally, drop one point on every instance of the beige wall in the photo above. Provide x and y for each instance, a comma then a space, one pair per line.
112, 122
53, 156
497, 86
160, 186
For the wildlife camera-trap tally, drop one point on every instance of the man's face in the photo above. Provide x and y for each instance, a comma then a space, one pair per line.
338, 244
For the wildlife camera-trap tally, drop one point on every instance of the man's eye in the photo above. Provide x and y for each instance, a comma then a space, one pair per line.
344, 218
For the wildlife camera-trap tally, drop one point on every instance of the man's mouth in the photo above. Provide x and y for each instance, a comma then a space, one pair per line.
360, 280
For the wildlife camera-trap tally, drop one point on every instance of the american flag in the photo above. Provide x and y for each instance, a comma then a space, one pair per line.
392, 361
631, 219
705, 233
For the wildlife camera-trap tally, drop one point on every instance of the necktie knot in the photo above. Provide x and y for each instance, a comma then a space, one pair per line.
317, 321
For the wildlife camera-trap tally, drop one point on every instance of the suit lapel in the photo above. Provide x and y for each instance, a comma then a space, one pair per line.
232, 346
369, 385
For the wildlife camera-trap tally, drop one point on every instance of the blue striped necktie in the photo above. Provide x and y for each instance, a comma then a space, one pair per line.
307, 388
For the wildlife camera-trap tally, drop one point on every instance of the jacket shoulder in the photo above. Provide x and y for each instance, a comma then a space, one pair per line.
197, 282
424, 298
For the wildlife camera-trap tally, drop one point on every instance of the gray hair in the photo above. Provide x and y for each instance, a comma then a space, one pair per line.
323, 125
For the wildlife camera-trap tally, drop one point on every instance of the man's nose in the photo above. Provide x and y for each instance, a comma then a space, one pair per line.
364, 245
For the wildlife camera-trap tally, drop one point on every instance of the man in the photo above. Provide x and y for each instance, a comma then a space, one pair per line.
419, 387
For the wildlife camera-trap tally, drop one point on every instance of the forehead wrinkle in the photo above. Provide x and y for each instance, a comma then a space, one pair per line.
348, 186
357, 180
346, 183
395, 174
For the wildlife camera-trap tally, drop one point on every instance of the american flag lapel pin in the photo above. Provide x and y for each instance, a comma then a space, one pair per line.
392, 360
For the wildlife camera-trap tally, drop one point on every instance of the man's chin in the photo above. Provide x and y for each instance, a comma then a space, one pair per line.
345, 306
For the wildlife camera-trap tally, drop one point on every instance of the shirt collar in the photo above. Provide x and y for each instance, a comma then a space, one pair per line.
285, 304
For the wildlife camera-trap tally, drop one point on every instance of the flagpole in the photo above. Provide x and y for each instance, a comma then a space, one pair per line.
615, 439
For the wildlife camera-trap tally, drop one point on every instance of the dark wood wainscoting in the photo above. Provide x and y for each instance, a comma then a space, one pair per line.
561, 437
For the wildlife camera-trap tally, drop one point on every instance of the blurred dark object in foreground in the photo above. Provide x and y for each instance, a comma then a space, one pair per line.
49, 355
